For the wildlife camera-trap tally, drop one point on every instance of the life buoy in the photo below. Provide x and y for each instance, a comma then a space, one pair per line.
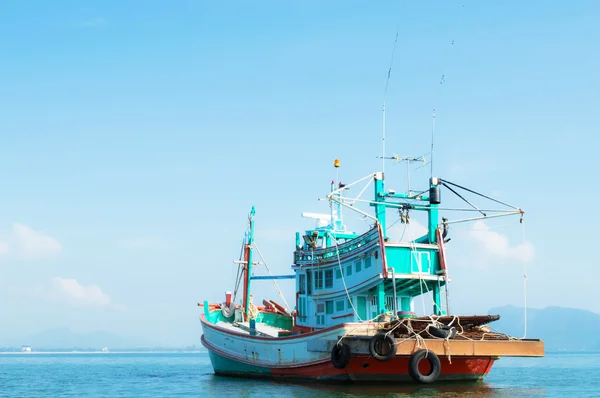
340, 355
378, 342
413, 366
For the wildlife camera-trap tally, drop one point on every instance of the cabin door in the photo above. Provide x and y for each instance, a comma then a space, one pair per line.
372, 306
361, 307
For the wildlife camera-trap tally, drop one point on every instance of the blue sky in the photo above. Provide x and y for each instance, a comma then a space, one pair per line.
135, 136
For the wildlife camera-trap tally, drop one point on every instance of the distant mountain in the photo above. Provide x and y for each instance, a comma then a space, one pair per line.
65, 338
561, 329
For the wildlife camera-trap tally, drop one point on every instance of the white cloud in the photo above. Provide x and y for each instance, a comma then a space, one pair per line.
71, 290
498, 245
34, 244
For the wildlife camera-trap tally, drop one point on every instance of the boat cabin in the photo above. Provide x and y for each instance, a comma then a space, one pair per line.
346, 277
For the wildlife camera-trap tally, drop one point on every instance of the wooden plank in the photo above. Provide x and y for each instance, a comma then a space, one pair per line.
502, 348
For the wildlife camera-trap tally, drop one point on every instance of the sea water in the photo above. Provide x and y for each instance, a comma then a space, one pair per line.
190, 375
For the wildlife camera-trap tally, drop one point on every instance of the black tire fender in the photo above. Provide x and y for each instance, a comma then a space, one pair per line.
340, 355
413, 366
443, 332
375, 345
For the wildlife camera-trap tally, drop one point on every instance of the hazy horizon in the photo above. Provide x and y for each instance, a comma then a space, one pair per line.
105, 338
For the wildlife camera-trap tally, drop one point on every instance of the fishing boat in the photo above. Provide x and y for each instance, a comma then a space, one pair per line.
353, 315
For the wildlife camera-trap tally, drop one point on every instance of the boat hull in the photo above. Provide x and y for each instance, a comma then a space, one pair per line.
395, 370
299, 358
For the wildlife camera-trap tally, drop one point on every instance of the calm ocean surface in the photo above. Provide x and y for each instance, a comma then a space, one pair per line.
190, 375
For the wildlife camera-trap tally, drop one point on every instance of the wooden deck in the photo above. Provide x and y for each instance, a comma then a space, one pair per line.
457, 347
476, 348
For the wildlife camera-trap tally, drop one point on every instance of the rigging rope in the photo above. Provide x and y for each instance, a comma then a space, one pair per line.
239, 274
274, 283
337, 250
422, 282
524, 280
464, 199
476, 193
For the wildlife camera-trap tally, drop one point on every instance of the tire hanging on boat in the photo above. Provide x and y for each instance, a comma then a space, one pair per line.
413, 366
340, 355
443, 332
375, 346
227, 311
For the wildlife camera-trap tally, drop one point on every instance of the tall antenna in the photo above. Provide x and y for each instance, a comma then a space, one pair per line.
387, 82
442, 81
431, 152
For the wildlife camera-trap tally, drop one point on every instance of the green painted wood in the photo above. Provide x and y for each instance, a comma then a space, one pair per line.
249, 265
361, 307
224, 365
380, 204
381, 298
404, 260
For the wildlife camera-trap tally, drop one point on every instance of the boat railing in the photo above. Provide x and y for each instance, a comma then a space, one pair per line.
313, 257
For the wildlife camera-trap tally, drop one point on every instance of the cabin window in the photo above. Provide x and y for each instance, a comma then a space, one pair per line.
302, 284
309, 282
349, 270
302, 309
329, 278
367, 262
318, 279
320, 314
358, 266
340, 305
338, 274
329, 307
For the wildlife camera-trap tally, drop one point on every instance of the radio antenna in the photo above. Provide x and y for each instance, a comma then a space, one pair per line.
387, 82
442, 81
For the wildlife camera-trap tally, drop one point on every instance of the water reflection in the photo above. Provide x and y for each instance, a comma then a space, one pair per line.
468, 390
267, 388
